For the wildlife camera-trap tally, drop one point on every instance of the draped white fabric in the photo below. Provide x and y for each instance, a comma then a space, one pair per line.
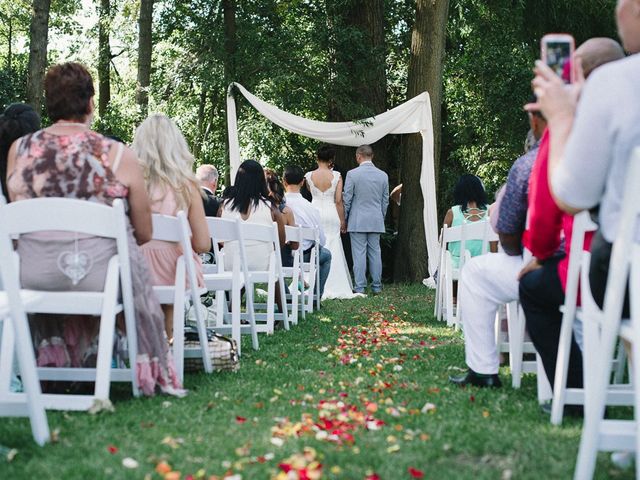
412, 116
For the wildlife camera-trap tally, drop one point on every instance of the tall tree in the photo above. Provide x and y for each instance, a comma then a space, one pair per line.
358, 67
425, 73
104, 56
230, 47
145, 47
39, 35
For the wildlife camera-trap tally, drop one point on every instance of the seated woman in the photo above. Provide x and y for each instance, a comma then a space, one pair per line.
276, 195
470, 206
248, 199
172, 186
17, 120
69, 160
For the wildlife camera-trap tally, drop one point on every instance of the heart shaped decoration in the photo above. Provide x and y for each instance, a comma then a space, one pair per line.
75, 265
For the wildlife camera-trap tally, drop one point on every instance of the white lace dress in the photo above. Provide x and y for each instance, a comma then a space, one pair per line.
339, 281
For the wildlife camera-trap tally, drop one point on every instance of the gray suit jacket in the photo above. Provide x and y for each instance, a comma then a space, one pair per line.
366, 198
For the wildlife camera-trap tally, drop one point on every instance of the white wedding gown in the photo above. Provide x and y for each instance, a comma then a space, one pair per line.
339, 281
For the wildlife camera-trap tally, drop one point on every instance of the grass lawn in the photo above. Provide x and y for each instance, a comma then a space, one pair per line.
360, 388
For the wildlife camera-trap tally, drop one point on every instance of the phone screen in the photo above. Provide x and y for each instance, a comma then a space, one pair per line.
559, 59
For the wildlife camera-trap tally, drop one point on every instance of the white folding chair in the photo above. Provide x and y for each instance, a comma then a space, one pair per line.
311, 271
16, 327
515, 343
461, 233
617, 394
264, 314
82, 217
176, 229
294, 234
601, 330
222, 281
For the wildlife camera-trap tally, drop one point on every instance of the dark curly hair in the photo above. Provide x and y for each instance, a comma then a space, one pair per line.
17, 120
68, 89
469, 188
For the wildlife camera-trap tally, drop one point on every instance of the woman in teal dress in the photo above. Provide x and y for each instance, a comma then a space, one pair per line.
470, 205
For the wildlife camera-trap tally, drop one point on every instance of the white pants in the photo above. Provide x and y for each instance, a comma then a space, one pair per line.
486, 282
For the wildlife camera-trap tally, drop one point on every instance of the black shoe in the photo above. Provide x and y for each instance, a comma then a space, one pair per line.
576, 411
477, 380
375, 293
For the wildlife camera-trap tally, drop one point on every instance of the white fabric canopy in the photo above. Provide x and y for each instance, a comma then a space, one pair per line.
412, 116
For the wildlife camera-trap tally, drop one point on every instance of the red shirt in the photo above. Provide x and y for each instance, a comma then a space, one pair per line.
546, 221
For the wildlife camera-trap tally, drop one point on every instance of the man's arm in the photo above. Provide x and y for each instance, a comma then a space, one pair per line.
513, 207
385, 196
347, 196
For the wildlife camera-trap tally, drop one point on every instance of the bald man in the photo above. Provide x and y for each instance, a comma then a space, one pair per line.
543, 281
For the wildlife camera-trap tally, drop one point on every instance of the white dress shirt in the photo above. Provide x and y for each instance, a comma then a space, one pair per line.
305, 215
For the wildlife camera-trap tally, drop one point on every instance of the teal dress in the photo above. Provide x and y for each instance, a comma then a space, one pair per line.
474, 246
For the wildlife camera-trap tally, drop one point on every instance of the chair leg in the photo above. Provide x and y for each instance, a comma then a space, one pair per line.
595, 401
105, 339
202, 331
7, 351
30, 382
562, 368
544, 387
178, 319
621, 361
516, 341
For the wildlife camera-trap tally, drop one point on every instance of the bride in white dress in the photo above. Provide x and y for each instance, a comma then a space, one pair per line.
326, 189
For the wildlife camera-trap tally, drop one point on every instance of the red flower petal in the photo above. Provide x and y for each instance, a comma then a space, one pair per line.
112, 449
373, 476
415, 473
240, 419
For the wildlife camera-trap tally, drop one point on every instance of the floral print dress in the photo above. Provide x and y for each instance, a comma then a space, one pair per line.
78, 166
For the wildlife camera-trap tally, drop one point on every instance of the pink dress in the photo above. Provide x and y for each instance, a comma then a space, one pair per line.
162, 256
78, 166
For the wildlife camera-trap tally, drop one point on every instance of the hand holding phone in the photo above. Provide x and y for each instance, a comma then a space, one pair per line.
557, 52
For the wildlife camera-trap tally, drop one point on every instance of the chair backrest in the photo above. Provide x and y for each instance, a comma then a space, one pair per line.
61, 214
293, 233
480, 230
622, 246
248, 231
221, 230
177, 229
582, 224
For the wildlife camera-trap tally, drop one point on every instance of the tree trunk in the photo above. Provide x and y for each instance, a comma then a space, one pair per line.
104, 57
38, 34
145, 46
425, 73
10, 44
230, 47
358, 70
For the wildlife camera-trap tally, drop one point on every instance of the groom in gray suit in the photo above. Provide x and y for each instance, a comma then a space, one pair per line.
366, 198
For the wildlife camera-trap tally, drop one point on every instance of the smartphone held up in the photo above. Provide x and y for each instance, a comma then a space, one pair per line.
557, 52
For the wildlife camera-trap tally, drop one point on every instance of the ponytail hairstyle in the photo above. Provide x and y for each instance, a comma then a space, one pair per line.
276, 189
17, 120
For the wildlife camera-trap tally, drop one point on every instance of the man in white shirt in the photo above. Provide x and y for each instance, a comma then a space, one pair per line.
306, 215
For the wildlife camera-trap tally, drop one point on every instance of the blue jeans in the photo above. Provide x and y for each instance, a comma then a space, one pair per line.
325, 263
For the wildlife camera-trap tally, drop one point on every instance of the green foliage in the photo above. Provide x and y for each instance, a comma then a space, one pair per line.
491, 47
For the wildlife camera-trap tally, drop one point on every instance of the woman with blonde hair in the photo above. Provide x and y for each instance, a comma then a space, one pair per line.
172, 186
